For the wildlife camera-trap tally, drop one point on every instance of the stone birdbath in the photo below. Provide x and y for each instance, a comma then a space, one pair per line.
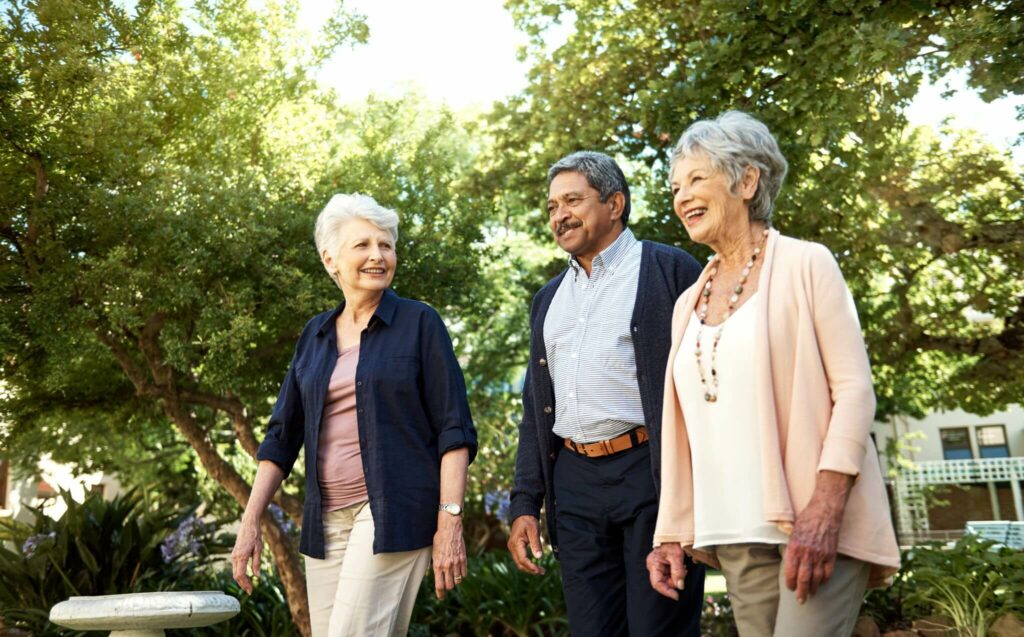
144, 614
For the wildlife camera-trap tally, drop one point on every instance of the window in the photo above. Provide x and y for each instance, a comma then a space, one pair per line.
956, 444
992, 442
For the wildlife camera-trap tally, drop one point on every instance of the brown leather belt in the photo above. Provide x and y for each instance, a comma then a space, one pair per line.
600, 448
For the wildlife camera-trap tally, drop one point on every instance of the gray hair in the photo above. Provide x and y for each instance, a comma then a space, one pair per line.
343, 207
733, 141
601, 171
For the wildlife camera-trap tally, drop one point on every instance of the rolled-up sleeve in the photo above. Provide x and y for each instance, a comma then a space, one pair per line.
445, 389
285, 432
845, 358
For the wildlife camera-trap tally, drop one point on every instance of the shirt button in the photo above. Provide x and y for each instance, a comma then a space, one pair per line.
572, 394
547, 409
575, 355
543, 362
582, 319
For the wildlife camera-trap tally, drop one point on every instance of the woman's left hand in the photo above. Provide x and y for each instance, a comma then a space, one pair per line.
449, 554
811, 554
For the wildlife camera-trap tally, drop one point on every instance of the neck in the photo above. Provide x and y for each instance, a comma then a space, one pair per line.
586, 261
735, 249
361, 304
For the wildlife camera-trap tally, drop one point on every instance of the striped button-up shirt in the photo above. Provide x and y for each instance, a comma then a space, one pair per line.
589, 346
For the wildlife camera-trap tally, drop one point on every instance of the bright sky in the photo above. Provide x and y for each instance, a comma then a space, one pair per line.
463, 52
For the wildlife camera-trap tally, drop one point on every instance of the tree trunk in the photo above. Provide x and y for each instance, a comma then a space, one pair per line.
292, 578
286, 556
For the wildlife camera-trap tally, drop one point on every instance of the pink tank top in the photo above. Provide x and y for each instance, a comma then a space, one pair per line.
339, 458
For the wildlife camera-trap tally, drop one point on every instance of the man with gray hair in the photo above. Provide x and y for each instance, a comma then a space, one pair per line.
591, 429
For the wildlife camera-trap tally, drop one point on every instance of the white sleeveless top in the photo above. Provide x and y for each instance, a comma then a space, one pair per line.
724, 442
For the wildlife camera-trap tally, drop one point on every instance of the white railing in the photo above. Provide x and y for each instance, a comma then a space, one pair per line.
911, 505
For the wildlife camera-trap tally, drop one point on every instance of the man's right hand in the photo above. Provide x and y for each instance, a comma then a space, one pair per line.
526, 531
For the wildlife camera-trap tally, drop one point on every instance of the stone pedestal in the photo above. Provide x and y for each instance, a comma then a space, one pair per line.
144, 614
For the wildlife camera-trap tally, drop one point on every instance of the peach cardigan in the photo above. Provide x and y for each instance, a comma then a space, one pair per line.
812, 388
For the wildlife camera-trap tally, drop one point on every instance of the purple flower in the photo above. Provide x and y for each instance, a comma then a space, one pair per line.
497, 503
282, 519
185, 540
31, 545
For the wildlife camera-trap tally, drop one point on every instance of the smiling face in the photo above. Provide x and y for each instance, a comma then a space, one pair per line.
703, 199
581, 223
365, 259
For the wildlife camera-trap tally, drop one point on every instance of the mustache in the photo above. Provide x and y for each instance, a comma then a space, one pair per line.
567, 225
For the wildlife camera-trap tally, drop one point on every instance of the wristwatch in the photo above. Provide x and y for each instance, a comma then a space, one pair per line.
451, 509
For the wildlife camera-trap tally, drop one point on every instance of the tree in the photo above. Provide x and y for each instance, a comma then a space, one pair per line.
160, 171
831, 79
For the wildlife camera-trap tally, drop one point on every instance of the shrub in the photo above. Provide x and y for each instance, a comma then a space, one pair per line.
970, 582
97, 547
495, 598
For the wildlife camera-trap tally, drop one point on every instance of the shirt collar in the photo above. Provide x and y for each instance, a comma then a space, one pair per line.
385, 311
613, 254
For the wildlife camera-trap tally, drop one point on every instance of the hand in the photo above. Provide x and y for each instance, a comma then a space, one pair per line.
449, 554
248, 545
811, 554
526, 531
667, 569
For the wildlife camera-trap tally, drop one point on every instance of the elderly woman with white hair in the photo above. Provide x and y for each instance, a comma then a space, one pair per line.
768, 469
375, 394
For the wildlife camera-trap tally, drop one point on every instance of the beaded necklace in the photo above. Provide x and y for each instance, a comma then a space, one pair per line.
711, 390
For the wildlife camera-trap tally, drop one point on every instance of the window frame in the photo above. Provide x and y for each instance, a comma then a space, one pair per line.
967, 438
1005, 444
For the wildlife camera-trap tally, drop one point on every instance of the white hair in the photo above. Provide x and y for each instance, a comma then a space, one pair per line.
733, 141
340, 209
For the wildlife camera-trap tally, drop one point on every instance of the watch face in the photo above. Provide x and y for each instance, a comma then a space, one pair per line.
454, 509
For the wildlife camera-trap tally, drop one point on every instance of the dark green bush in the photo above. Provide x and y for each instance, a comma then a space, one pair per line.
495, 599
97, 547
975, 576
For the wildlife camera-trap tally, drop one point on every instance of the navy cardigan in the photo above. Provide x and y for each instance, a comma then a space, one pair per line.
665, 273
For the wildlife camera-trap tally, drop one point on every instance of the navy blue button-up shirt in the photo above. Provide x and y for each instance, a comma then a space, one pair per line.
411, 409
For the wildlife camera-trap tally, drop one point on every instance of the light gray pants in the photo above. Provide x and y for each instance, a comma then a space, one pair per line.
763, 606
354, 593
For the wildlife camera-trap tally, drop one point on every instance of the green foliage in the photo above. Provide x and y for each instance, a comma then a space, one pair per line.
973, 580
97, 547
926, 227
717, 617
263, 614
495, 598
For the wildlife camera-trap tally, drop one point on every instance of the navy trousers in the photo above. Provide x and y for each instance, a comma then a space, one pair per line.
607, 508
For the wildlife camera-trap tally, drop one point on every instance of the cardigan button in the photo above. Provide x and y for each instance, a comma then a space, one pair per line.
552, 455
635, 329
543, 362
547, 409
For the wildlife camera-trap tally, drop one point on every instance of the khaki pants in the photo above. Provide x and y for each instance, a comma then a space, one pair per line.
763, 606
353, 592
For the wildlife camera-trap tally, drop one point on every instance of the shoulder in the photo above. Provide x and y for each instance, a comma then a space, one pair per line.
667, 256
805, 256
549, 288
418, 310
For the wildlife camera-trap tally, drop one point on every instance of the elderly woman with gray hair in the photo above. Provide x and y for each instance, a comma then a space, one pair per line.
375, 394
768, 469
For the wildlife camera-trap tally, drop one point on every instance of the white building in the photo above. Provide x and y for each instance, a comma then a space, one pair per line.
41, 490
975, 463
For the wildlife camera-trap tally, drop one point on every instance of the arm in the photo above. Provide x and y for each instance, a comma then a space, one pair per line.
527, 491
811, 554
276, 456
449, 550
249, 543
444, 389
